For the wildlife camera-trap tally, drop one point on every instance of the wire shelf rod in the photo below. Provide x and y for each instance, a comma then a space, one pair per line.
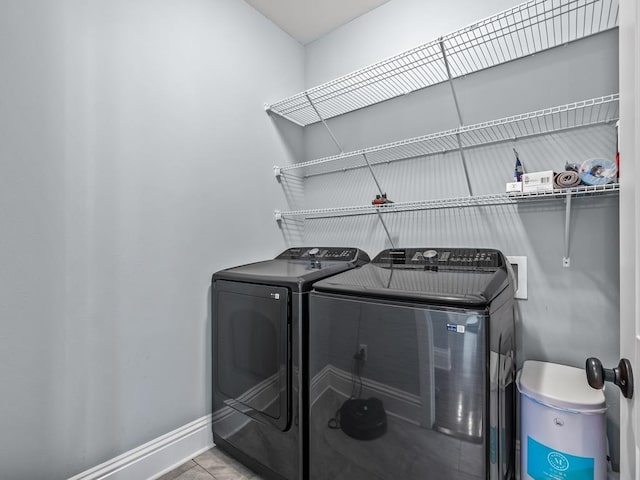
412, 154
460, 202
389, 68
389, 82
523, 30
409, 156
549, 120
506, 29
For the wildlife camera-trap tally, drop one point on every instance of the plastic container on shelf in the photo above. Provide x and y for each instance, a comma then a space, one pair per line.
563, 424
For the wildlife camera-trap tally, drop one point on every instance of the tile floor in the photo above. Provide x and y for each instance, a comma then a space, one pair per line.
211, 465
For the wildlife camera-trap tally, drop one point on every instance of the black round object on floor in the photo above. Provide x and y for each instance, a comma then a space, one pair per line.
363, 419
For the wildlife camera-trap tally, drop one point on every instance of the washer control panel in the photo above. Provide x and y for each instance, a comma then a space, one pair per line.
324, 253
432, 258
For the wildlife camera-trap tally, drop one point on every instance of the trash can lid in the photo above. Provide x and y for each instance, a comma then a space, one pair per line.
560, 386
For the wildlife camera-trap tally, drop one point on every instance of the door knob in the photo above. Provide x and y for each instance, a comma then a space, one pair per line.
622, 376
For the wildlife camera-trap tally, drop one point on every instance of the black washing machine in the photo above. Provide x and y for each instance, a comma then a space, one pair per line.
411, 368
260, 318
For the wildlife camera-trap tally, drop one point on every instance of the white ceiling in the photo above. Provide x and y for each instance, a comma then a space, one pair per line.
308, 20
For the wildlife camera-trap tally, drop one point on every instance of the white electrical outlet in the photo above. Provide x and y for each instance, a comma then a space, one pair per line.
519, 265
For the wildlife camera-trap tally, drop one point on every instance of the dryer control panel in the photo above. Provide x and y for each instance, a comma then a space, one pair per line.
325, 253
432, 258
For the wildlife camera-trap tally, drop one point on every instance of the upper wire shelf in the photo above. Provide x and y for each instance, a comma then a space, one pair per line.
578, 114
460, 202
523, 30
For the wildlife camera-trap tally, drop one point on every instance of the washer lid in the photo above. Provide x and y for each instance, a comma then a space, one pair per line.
296, 268
466, 277
560, 386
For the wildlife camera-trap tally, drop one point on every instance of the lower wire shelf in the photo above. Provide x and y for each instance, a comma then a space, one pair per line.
459, 202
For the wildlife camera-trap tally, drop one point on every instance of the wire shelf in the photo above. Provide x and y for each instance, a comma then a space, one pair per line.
579, 114
460, 202
523, 30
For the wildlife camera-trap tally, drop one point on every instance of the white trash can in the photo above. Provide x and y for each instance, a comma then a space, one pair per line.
563, 432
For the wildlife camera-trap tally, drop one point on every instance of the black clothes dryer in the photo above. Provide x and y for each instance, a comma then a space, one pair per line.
259, 328
411, 368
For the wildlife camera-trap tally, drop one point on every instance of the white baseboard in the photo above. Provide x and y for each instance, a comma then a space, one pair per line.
163, 454
157, 457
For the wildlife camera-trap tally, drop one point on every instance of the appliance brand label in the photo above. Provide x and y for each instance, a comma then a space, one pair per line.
452, 327
544, 463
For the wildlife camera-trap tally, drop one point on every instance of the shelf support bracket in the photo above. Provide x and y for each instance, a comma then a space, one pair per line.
384, 225
460, 122
375, 179
324, 122
566, 260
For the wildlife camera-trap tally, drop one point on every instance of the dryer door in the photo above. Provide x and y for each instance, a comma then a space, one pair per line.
252, 351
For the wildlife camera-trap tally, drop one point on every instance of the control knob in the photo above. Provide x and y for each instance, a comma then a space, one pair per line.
315, 263
430, 254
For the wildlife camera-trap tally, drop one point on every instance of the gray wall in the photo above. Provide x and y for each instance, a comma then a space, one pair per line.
135, 161
572, 313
